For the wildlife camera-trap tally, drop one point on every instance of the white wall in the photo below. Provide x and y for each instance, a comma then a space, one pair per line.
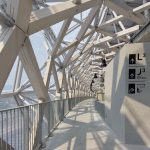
114, 94
128, 114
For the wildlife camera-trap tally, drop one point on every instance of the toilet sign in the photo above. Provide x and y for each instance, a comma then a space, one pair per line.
136, 73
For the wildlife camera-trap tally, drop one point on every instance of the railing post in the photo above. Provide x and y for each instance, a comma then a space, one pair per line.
38, 135
52, 115
26, 128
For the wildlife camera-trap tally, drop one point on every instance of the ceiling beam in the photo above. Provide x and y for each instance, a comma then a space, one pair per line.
46, 17
118, 35
81, 33
121, 17
122, 8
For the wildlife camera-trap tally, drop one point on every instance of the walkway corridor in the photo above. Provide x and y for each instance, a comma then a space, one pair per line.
84, 129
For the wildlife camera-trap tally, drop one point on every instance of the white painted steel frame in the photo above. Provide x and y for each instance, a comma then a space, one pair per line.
70, 65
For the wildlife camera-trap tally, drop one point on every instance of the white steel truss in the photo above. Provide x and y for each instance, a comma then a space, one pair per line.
102, 26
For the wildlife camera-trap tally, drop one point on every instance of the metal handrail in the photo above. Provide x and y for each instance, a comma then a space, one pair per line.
24, 127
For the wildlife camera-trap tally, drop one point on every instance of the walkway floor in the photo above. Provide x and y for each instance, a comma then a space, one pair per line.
84, 129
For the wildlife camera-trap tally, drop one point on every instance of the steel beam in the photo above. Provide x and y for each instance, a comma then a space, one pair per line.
46, 17
10, 46
30, 65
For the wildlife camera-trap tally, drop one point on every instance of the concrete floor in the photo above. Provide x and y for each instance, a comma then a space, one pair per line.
84, 129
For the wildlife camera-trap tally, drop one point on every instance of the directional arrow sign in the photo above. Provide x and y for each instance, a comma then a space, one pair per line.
132, 61
132, 58
131, 88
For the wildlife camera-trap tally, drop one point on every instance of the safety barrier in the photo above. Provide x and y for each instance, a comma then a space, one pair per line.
24, 128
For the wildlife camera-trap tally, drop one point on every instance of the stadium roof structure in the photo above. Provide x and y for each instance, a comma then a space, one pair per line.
78, 35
